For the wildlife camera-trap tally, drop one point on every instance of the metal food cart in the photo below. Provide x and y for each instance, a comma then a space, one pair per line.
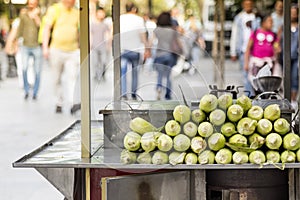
75, 161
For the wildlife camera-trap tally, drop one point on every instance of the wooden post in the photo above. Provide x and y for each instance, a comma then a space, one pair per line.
215, 52
218, 43
85, 90
116, 49
222, 46
287, 49
85, 80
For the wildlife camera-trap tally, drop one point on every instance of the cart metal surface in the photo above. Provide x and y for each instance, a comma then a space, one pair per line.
59, 161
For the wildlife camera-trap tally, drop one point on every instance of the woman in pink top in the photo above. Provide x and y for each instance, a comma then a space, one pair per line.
262, 48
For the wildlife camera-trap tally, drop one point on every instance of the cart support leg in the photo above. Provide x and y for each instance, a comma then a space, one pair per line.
61, 178
292, 184
198, 184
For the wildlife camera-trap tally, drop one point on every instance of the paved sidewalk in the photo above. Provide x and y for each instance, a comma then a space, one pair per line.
26, 125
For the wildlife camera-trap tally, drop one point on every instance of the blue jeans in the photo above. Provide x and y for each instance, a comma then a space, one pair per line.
36, 53
294, 72
163, 65
247, 83
133, 58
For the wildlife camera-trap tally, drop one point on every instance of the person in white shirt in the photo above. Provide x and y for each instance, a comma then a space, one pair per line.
133, 43
243, 23
277, 16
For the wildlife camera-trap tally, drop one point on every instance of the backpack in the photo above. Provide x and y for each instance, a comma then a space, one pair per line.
43, 22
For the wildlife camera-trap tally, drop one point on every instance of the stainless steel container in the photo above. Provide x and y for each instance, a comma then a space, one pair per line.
117, 116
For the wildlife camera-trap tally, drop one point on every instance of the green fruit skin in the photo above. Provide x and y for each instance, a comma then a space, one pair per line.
127, 157
257, 157
176, 158
291, 141
198, 116
198, 144
246, 126
164, 143
205, 129
272, 112
255, 137
181, 143
270, 144
238, 139
182, 114
132, 141
206, 157
144, 158
228, 129
190, 129
148, 141
235, 113
281, 126
224, 101
239, 157
298, 155
141, 126
160, 158
172, 128
288, 157
190, 159
216, 141
264, 126
208, 103
245, 102
223, 156
273, 156
256, 113
217, 117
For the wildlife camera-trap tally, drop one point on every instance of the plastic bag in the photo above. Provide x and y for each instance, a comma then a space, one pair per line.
264, 71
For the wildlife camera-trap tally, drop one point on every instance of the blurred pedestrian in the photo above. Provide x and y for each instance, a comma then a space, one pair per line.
93, 5
164, 60
28, 30
133, 46
242, 25
4, 28
63, 51
177, 51
150, 24
294, 53
262, 49
277, 16
193, 42
14, 44
99, 35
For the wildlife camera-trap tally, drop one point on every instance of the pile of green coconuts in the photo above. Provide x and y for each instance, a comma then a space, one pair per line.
220, 131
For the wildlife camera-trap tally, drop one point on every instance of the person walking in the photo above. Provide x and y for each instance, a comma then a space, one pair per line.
13, 46
164, 60
133, 45
63, 51
28, 30
99, 34
193, 42
176, 52
262, 49
4, 28
242, 25
294, 53
277, 16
